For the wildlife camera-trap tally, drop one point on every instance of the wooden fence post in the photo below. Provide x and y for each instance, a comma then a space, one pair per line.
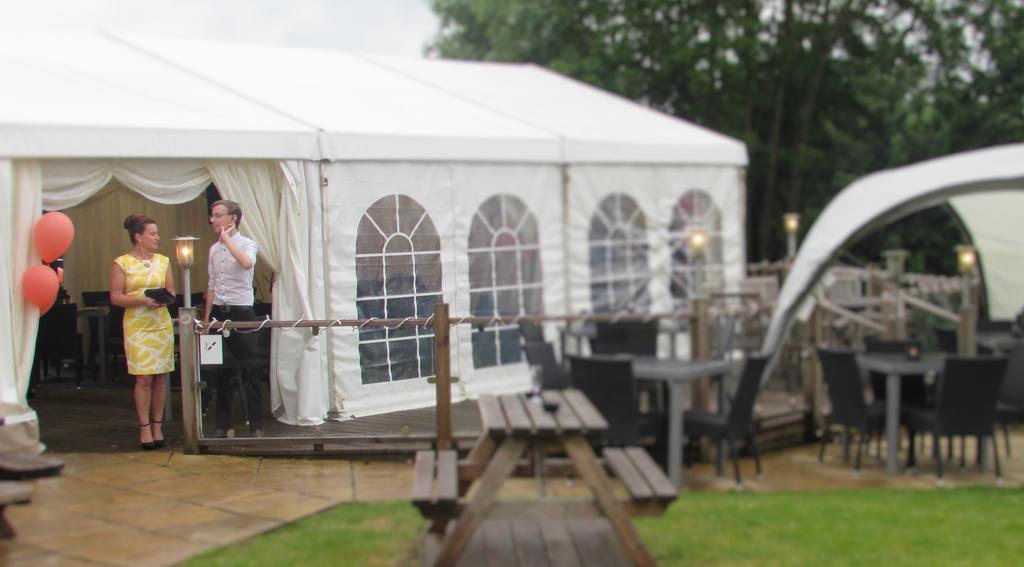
443, 376
700, 349
967, 344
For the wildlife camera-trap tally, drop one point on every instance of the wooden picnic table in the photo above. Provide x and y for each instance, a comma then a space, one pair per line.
516, 425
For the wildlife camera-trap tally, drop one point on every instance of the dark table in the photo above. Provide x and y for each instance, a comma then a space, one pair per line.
100, 314
895, 366
999, 342
678, 373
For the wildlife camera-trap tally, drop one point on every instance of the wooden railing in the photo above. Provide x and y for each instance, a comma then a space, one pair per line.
700, 313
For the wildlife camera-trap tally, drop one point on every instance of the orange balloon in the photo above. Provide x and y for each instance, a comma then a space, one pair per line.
39, 286
52, 235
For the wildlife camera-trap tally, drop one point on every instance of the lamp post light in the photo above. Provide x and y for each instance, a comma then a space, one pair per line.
791, 223
966, 262
698, 242
186, 257
966, 259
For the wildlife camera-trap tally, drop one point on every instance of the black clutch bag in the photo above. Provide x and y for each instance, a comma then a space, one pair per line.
160, 294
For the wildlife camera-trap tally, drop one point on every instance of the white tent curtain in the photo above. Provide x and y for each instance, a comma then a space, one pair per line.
20, 206
298, 390
67, 183
256, 187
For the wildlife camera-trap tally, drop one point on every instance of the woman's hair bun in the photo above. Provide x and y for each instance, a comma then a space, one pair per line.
128, 221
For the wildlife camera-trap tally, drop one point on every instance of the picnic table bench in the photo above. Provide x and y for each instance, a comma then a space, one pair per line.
513, 425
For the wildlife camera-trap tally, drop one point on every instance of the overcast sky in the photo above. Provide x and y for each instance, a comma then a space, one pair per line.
393, 27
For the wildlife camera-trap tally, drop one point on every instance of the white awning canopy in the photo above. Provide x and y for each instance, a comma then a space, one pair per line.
981, 183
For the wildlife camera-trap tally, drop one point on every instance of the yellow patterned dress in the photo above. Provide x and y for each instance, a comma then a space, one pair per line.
148, 334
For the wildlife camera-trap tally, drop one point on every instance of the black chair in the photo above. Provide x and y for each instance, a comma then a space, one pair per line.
725, 332
994, 325
846, 392
913, 390
1010, 407
946, 339
531, 332
638, 338
609, 383
58, 339
965, 404
737, 421
543, 355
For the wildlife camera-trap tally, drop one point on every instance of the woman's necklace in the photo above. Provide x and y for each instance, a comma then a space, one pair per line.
145, 261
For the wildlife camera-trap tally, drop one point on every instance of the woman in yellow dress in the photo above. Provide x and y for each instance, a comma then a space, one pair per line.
148, 334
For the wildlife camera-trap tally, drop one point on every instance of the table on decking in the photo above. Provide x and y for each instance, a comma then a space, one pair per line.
100, 314
678, 373
895, 366
999, 342
513, 425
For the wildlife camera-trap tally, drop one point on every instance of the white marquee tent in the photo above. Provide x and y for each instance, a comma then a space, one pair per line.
984, 188
375, 187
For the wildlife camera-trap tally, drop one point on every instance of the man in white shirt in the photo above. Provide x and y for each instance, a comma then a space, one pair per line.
229, 295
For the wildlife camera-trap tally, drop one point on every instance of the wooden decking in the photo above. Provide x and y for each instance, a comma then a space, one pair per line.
102, 419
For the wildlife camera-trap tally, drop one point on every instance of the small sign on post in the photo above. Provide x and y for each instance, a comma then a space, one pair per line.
211, 350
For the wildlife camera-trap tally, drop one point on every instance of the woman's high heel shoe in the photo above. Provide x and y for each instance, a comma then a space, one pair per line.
149, 446
158, 443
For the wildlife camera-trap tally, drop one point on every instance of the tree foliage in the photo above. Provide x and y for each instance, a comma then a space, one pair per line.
821, 91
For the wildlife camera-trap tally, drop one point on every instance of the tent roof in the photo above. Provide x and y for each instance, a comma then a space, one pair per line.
99, 95
365, 112
979, 180
596, 126
88, 95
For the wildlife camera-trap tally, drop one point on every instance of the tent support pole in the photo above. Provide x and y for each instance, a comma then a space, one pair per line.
567, 274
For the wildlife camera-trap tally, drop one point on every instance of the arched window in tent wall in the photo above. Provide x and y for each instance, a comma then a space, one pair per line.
619, 268
504, 276
398, 271
695, 209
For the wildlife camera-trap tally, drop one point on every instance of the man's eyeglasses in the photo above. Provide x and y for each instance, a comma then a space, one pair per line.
218, 215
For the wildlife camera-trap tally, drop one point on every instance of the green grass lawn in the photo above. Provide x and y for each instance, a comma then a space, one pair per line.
970, 526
